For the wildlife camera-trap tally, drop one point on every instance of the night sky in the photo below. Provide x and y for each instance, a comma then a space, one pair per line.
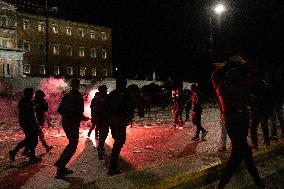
171, 37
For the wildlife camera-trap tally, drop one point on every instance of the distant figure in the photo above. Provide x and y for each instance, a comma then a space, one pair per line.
196, 113
28, 123
93, 117
177, 108
119, 111
102, 129
233, 92
71, 109
187, 104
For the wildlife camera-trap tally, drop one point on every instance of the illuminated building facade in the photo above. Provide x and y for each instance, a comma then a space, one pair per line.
74, 49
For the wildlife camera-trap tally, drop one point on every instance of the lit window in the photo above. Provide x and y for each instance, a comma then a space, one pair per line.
81, 33
93, 53
26, 24
68, 31
82, 71
104, 36
4, 43
69, 51
41, 27
26, 46
56, 70
55, 49
104, 54
55, 28
27, 69
81, 51
104, 72
3, 21
42, 69
93, 35
69, 70
94, 72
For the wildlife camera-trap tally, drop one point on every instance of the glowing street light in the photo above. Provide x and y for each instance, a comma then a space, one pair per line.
219, 9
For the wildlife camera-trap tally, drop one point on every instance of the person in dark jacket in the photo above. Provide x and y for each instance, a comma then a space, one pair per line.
119, 110
196, 112
28, 123
71, 109
93, 117
233, 91
102, 129
177, 108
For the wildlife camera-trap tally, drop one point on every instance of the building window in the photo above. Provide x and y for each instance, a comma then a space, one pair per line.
41, 27
93, 35
26, 24
93, 53
26, 46
104, 54
68, 31
3, 21
94, 72
104, 36
69, 70
82, 71
55, 28
42, 69
56, 49
81, 33
2, 67
104, 72
69, 51
41, 47
4, 43
81, 51
56, 70
27, 69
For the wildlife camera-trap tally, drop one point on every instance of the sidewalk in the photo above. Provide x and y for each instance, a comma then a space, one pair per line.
190, 171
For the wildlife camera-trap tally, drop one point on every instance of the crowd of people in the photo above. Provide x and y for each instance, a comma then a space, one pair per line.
248, 97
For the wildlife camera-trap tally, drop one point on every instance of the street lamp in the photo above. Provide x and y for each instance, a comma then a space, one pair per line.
218, 10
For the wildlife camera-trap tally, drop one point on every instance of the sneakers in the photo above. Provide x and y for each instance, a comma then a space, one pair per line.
12, 155
63, 172
204, 135
196, 138
34, 160
48, 149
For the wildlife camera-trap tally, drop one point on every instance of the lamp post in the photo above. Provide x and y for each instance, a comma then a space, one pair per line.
218, 10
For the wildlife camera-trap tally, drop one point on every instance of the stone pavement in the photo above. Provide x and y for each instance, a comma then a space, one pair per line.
154, 156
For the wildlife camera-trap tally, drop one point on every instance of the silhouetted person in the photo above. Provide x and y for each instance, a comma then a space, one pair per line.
262, 105
196, 112
233, 91
102, 129
28, 123
94, 119
187, 104
71, 109
119, 111
177, 108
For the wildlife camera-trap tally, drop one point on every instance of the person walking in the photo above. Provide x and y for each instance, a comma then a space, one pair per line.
71, 109
233, 91
28, 123
93, 117
119, 110
196, 113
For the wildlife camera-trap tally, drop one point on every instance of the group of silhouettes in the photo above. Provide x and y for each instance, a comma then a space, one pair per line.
245, 97
113, 110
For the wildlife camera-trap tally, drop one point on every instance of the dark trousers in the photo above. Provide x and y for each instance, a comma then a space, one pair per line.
255, 121
237, 129
30, 141
118, 131
196, 120
103, 130
71, 128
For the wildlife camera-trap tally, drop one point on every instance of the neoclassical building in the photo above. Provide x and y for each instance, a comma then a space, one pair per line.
64, 48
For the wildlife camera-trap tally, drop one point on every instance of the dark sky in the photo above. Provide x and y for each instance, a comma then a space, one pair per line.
171, 37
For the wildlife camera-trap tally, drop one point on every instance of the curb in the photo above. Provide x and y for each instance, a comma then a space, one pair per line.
151, 179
